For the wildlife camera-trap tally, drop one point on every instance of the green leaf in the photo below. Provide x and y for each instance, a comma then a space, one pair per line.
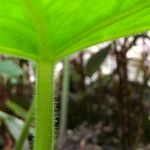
10, 69
18, 110
96, 60
49, 30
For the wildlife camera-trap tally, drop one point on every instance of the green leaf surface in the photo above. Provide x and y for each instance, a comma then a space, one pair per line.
10, 69
96, 60
50, 29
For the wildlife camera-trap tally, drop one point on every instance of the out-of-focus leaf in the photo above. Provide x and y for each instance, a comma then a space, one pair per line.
96, 60
14, 126
10, 69
17, 109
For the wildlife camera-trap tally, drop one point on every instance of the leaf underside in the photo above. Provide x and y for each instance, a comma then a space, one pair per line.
50, 29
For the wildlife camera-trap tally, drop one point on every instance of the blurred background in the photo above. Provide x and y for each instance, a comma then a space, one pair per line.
102, 97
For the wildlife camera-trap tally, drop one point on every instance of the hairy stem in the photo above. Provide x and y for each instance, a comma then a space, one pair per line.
44, 110
25, 130
64, 102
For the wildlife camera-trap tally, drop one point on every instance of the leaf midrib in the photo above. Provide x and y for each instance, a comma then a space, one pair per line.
39, 21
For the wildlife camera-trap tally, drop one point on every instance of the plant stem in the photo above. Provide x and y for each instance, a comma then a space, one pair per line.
25, 130
44, 111
64, 102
